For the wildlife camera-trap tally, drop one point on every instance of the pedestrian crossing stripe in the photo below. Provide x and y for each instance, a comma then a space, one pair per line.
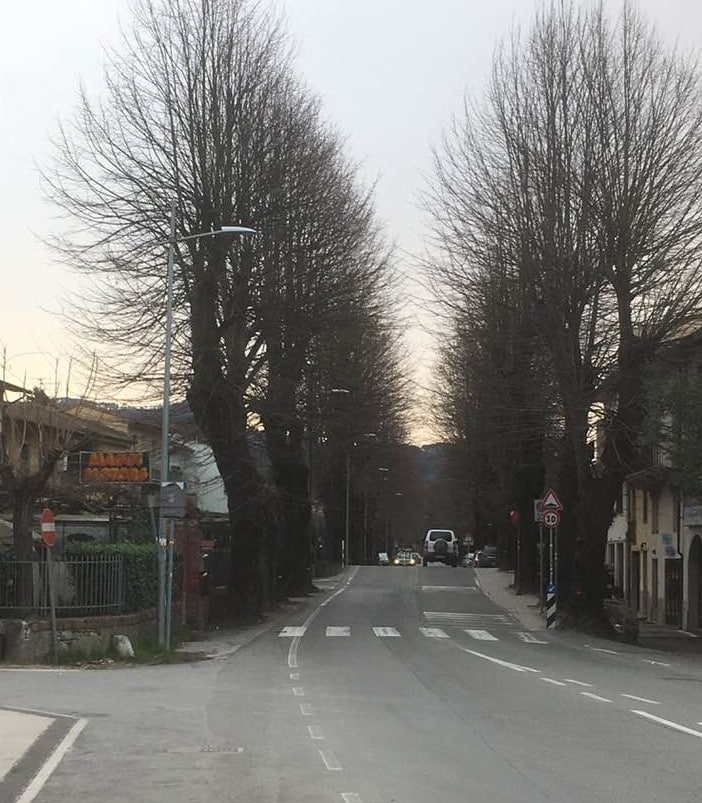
467, 619
530, 638
481, 635
386, 632
338, 631
433, 632
292, 632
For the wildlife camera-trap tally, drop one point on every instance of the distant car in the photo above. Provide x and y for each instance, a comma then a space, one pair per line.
383, 559
468, 559
404, 558
440, 545
487, 557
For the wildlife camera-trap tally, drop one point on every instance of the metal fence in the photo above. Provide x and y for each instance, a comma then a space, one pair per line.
82, 586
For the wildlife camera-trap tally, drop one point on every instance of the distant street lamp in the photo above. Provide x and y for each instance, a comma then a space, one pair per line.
164, 630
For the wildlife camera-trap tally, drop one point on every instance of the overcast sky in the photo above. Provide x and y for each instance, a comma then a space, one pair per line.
390, 74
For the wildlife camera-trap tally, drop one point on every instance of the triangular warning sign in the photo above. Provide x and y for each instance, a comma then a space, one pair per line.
551, 501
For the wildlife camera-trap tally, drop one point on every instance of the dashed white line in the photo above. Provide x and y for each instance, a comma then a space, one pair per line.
351, 797
668, 724
298, 691
602, 649
500, 662
654, 663
316, 732
331, 762
553, 682
641, 699
595, 697
578, 683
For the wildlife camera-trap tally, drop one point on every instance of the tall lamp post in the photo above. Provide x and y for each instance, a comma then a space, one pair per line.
347, 503
165, 551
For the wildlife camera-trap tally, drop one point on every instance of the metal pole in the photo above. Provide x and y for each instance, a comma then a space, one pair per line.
550, 556
52, 604
347, 524
541, 566
519, 560
165, 424
169, 583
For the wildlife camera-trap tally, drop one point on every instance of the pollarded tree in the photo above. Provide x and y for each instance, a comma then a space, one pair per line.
581, 164
202, 108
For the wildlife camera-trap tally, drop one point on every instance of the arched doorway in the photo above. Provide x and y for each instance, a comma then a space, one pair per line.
694, 585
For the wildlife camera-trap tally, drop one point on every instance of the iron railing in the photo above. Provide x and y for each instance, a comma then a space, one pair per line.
83, 586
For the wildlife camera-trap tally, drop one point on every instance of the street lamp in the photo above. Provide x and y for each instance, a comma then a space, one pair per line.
164, 631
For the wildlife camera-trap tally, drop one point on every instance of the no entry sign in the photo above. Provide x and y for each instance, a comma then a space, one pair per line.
48, 527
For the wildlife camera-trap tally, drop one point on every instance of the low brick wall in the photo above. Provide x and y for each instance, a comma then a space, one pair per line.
30, 641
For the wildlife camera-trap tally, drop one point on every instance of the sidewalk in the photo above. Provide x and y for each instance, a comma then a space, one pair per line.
496, 584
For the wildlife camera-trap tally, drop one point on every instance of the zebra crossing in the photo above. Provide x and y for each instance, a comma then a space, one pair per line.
482, 627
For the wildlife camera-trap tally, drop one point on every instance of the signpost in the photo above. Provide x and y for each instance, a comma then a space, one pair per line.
48, 536
548, 511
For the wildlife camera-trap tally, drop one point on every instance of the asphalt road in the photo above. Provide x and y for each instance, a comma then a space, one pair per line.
396, 684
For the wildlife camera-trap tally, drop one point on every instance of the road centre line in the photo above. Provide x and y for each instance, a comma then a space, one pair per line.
596, 697
668, 724
641, 699
553, 682
500, 662
602, 649
578, 683
295, 643
654, 663
331, 762
316, 732
52, 762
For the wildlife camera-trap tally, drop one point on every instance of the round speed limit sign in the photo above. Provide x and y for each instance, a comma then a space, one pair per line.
551, 518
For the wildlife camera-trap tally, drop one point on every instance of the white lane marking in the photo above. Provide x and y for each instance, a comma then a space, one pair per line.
386, 632
578, 683
294, 676
351, 797
467, 618
298, 691
553, 682
306, 710
530, 638
433, 632
668, 724
338, 631
641, 699
331, 762
59, 670
52, 762
500, 662
292, 632
295, 643
602, 649
316, 732
596, 697
654, 663
449, 588
481, 635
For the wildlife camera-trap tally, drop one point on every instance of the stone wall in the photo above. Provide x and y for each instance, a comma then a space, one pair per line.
30, 641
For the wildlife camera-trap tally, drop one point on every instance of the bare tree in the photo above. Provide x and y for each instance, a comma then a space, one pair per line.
578, 175
202, 108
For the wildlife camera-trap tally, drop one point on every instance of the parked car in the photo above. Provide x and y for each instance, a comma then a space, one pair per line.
487, 557
383, 559
468, 559
440, 545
